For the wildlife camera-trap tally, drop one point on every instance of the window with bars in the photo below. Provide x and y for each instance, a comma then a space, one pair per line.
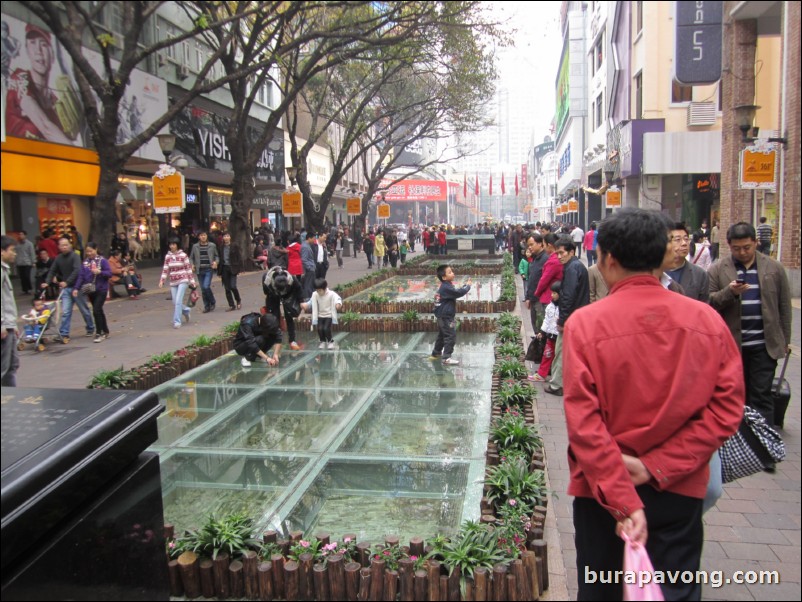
639, 96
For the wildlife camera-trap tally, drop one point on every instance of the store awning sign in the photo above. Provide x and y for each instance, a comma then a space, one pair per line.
291, 203
613, 199
573, 206
354, 206
169, 195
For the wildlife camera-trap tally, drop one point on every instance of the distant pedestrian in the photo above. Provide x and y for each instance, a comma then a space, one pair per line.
9, 357
338, 248
230, 266
764, 235
445, 310
204, 258
177, 271
64, 271
367, 247
26, 257
590, 244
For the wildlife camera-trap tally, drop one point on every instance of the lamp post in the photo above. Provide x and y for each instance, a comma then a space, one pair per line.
167, 144
745, 118
292, 174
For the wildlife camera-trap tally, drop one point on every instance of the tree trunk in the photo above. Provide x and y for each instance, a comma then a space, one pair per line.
239, 222
103, 208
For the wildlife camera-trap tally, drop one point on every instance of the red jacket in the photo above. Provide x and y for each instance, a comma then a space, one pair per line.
552, 272
651, 374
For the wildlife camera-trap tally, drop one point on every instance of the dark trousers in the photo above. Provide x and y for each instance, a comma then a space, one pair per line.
274, 307
25, 277
205, 279
308, 283
324, 330
759, 368
98, 300
714, 249
446, 338
674, 544
264, 343
230, 286
536, 315
591, 257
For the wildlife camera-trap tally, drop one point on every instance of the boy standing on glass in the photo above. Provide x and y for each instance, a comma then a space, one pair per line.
445, 310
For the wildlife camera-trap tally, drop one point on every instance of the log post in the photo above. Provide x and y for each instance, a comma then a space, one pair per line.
512, 588
364, 583
292, 581
390, 585
207, 577
352, 581
530, 567
542, 553
416, 546
336, 578
480, 584
363, 548
421, 584
406, 568
521, 580
270, 536
391, 540
434, 581
278, 575
236, 580
443, 587
499, 583
469, 590
321, 579
221, 582
453, 584
174, 574
190, 574
266, 581
307, 583
296, 536
377, 580
323, 538
250, 562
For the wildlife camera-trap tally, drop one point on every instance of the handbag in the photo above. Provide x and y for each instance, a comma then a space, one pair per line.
88, 288
753, 447
535, 351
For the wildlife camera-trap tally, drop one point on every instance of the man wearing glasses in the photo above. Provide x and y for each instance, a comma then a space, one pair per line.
694, 280
750, 290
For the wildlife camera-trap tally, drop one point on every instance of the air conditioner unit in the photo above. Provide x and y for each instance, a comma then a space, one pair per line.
162, 60
701, 113
182, 71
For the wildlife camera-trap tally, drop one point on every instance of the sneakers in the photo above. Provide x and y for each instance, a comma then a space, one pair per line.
64, 340
177, 325
536, 378
245, 363
434, 356
450, 361
322, 346
133, 297
100, 338
185, 313
90, 334
331, 345
294, 346
554, 390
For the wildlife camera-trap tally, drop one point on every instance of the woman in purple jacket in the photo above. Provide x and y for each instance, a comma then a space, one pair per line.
95, 270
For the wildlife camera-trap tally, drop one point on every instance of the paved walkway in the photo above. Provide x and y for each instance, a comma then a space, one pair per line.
755, 526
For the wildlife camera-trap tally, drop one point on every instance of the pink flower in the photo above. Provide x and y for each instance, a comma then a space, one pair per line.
513, 502
330, 547
304, 543
172, 545
413, 558
347, 540
386, 552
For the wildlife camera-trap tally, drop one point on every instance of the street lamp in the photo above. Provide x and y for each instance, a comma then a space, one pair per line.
292, 174
745, 118
167, 144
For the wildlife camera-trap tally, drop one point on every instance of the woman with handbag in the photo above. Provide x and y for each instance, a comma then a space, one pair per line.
178, 270
93, 282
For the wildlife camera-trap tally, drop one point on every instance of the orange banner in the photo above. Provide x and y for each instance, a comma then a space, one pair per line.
573, 205
168, 194
758, 169
291, 203
613, 198
383, 211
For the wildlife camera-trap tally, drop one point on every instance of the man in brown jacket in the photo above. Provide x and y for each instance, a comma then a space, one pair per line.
750, 290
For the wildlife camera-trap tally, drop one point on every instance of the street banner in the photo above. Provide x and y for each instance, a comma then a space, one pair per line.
354, 206
758, 167
613, 198
168, 193
383, 211
573, 206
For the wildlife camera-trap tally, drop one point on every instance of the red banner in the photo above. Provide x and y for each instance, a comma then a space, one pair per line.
523, 175
477, 185
503, 188
416, 190
516, 184
490, 192
465, 186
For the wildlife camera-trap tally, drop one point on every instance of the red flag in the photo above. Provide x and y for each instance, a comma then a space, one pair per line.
503, 188
465, 186
516, 183
477, 185
490, 192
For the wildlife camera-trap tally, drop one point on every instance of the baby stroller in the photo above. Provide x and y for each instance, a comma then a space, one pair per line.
37, 339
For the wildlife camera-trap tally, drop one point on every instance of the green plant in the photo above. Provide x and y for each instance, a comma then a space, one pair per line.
510, 369
201, 341
348, 316
410, 315
230, 534
109, 379
507, 334
305, 546
512, 479
515, 394
377, 298
512, 526
231, 328
510, 432
508, 319
475, 546
390, 555
162, 358
510, 350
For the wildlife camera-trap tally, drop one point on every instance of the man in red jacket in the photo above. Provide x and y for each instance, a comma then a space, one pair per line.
645, 411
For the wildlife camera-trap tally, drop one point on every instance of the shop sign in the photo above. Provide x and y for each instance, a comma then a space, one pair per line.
353, 206
291, 203
573, 206
267, 203
169, 195
758, 168
383, 211
613, 198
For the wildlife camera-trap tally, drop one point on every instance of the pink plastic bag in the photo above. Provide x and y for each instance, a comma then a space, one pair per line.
639, 582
